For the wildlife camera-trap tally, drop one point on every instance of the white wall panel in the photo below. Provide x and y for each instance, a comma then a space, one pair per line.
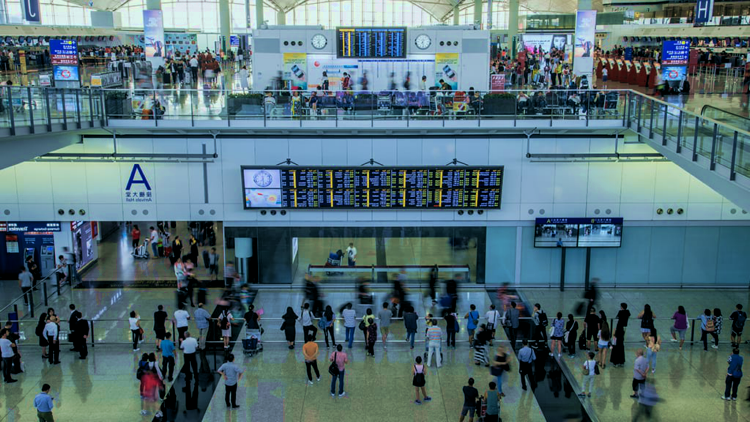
604, 182
473, 151
38, 212
359, 150
338, 215
509, 211
569, 181
566, 209
703, 211
106, 212
307, 216
173, 211
104, 183
202, 212
10, 211
271, 151
8, 187
307, 151
360, 215
638, 182
437, 152
139, 212
671, 183
633, 211
67, 181
409, 151
700, 192
233, 154
34, 183
385, 151
537, 182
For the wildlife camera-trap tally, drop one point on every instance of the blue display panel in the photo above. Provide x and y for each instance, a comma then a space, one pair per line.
673, 73
578, 232
372, 187
383, 43
675, 53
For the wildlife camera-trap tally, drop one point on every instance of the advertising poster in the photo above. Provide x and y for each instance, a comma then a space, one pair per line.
153, 32
180, 43
545, 42
497, 82
446, 68
84, 244
583, 63
295, 69
380, 74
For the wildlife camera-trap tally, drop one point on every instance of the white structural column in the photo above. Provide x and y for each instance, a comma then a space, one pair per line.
489, 15
478, 12
225, 23
455, 14
281, 17
512, 26
258, 14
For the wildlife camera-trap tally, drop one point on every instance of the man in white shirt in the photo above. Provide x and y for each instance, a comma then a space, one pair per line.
181, 317
350, 323
154, 239
189, 346
194, 69
51, 334
6, 347
493, 318
306, 318
351, 255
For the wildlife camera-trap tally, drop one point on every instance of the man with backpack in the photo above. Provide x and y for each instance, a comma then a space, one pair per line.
738, 318
540, 325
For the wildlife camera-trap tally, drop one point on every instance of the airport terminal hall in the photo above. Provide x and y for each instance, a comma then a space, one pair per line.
374, 210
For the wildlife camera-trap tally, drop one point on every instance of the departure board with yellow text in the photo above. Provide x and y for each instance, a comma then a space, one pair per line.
368, 43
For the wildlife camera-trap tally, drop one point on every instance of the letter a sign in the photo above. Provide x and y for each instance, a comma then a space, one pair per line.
138, 189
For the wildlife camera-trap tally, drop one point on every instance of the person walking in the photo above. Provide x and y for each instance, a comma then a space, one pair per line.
481, 346
232, 375
591, 328
202, 321
558, 333
526, 358
418, 373
734, 375
493, 318
708, 326
589, 374
340, 360
653, 345
160, 329
225, 324
499, 366
7, 352
25, 282
472, 319
603, 336
350, 323
40, 333
384, 316
617, 358
51, 332
288, 327
738, 318
181, 317
306, 318
647, 321
372, 333
571, 335
328, 319
167, 356
492, 399
539, 317
470, 401
451, 324
43, 403
135, 235
640, 371
680, 325
410, 323
310, 352
189, 345
434, 338
512, 315
135, 329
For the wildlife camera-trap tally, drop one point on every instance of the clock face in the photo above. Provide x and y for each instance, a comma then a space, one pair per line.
319, 41
423, 41
263, 179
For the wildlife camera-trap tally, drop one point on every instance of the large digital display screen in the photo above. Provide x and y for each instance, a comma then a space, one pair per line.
578, 232
372, 187
546, 42
673, 73
66, 73
381, 43
675, 53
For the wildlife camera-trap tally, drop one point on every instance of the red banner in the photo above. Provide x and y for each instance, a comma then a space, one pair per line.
497, 82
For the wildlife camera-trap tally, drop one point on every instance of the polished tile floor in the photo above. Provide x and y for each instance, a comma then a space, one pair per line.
274, 389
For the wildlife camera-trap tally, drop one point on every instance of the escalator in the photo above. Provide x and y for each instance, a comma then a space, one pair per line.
553, 384
727, 117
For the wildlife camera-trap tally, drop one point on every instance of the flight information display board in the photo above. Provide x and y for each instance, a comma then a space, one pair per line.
381, 43
372, 187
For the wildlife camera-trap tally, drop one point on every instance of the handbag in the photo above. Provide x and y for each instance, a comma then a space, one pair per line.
585, 370
283, 326
596, 370
333, 368
362, 325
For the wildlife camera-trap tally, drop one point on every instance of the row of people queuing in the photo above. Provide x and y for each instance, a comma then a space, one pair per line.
185, 69
539, 67
619, 51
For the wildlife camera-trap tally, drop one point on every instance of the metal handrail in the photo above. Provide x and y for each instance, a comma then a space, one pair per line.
20, 297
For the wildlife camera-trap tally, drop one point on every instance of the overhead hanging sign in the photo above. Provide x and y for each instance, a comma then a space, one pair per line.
63, 52
29, 226
675, 53
704, 11
31, 11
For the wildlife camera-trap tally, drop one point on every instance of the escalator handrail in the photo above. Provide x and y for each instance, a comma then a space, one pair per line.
709, 106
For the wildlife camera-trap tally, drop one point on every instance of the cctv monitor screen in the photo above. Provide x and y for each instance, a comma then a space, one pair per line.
601, 235
555, 233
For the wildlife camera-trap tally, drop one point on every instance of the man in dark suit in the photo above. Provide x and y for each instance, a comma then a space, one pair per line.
75, 315
82, 335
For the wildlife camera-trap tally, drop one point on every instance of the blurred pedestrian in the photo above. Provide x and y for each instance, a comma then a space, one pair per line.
410, 323
499, 366
167, 356
571, 335
481, 346
451, 325
646, 401
640, 371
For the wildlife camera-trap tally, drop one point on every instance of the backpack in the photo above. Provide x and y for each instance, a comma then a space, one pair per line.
543, 319
710, 325
322, 323
740, 321
224, 321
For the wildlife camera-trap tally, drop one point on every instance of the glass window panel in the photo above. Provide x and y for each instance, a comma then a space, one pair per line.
323, 14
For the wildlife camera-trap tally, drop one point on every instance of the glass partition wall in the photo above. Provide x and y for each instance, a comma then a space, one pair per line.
284, 255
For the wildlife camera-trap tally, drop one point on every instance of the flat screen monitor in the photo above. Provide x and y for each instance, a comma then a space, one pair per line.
371, 43
379, 188
578, 232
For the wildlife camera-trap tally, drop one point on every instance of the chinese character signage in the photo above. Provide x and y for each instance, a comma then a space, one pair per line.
29, 226
675, 53
63, 52
138, 188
